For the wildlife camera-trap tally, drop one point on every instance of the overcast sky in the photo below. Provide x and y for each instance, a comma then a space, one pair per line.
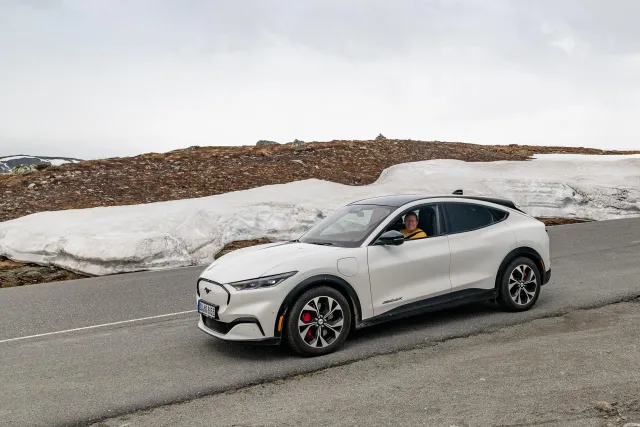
97, 78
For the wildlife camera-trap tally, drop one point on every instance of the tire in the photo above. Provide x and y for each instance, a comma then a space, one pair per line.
310, 332
518, 289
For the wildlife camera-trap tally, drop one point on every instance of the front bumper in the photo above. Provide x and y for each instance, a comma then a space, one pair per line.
547, 277
240, 330
243, 316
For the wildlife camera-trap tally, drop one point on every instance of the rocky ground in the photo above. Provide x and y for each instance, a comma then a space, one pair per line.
19, 274
561, 221
577, 370
205, 171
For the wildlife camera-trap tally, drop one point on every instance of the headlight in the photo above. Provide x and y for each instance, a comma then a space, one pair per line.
262, 282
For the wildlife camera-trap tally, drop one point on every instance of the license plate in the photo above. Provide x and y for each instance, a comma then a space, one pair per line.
207, 310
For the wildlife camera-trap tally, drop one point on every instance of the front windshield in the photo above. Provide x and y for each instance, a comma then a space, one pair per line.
348, 226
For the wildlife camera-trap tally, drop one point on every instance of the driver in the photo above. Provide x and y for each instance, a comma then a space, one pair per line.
412, 231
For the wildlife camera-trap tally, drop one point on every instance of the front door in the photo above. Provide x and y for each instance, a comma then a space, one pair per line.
416, 270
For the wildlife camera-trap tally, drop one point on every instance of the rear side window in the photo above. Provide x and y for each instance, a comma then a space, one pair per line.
498, 215
466, 217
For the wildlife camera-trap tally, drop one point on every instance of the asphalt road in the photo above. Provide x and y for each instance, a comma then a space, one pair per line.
545, 373
76, 377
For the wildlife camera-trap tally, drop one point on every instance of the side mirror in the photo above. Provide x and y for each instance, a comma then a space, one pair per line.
391, 237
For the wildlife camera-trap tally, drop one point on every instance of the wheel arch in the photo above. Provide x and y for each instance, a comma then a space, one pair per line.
523, 251
338, 283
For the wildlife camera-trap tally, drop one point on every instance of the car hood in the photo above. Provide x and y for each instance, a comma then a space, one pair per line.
255, 261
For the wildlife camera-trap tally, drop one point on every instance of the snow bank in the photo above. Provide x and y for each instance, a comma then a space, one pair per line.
59, 162
189, 232
7, 158
586, 157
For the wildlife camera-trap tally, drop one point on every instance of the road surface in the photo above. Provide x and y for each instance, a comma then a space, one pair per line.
576, 370
75, 352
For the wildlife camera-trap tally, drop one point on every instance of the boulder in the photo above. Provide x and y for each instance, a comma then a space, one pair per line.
266, 142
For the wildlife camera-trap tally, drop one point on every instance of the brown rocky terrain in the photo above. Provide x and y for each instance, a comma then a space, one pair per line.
205, 171
19, 274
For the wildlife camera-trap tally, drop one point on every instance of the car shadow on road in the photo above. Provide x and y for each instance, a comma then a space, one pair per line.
383, 331
425, 321
245, 351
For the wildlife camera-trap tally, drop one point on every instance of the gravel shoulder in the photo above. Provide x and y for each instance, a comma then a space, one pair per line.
580, 369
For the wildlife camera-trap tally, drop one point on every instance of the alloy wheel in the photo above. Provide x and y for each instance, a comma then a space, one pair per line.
320, 322
522, 284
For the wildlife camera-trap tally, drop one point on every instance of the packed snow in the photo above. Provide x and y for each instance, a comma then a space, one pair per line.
7, 158
59, 162
586, 157
190, 232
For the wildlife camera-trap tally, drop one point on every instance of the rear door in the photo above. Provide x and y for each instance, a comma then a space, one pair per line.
479, 240
416, 270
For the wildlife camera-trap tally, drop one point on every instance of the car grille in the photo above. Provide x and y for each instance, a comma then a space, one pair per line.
216, 325
214, 284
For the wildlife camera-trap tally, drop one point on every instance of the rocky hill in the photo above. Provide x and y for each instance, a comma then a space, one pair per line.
204, 171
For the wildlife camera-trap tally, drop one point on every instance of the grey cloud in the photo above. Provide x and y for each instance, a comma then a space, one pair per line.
151, 74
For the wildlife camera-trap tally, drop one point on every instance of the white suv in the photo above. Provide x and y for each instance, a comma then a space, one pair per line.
355, 269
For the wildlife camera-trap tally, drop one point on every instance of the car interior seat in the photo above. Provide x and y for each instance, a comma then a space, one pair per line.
427, 220
398, 225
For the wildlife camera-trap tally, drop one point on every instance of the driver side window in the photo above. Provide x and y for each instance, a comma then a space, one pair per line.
428, 221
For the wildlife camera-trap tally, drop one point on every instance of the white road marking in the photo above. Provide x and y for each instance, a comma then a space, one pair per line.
96, 326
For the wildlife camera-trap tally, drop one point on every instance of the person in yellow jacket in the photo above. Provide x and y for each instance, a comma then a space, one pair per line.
412, 231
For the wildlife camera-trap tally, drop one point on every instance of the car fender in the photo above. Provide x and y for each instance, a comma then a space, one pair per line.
526, 251
308, 283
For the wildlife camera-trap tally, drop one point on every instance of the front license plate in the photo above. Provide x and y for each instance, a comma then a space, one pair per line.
207, 310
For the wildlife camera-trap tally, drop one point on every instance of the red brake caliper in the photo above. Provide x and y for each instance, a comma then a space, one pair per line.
306, 318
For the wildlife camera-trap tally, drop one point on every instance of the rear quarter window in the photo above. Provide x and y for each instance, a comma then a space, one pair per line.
498, 215
467, 216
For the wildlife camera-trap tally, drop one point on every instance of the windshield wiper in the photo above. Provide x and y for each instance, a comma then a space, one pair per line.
322, 243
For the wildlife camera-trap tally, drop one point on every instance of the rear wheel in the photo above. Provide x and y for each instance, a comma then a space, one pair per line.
318, 322
520, 285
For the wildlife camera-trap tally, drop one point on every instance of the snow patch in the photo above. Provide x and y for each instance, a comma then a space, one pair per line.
585, 157
58, 162
2, 159
189, 232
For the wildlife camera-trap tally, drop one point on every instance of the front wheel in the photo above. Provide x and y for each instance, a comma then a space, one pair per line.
520, 285
318, 322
